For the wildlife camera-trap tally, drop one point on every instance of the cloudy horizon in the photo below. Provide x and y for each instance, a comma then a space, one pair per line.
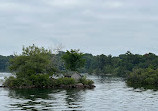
93, 26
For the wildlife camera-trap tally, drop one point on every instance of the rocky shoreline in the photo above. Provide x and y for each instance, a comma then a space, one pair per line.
78, 86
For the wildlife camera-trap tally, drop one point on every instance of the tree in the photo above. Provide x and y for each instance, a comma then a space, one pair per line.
32, 61
73, 60
4, 63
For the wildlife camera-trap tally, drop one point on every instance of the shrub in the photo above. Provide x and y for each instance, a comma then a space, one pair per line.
85, 81
16, 82
40, 80
9, 81
143, 77
90, 82
65, 81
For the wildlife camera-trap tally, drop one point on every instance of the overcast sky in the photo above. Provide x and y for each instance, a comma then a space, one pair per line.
93, 26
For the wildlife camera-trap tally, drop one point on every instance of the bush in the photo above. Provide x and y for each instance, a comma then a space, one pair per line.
85, 81
9, 81
65, 81
40, 80
17, 82
143, 77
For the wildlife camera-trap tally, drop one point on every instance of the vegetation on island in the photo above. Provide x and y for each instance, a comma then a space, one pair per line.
147, 78
120, 65
138, 70
73, 60
125, 65
34, 69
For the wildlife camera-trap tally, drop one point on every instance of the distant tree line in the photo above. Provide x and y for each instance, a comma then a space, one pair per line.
137, 69
4, 63
120, 65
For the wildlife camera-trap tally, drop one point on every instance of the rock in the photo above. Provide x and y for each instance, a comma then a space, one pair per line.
76, 76
92, 86
86, 86
79, 85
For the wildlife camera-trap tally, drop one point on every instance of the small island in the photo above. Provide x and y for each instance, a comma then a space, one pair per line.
146, 78
34, 68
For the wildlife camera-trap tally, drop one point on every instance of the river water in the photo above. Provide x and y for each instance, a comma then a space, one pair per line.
110, 94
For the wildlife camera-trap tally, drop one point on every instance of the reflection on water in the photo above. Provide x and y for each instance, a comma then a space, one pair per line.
111, 94
31, 94
46, 99
74, 98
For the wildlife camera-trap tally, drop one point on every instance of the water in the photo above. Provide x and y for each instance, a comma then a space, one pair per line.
110, 94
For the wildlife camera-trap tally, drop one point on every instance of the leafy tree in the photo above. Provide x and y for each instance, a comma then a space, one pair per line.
32, 61
73, 60
89, 63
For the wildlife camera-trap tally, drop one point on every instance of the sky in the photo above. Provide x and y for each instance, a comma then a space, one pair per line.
93, 26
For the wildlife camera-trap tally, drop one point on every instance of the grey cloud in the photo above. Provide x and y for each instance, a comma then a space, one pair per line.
95, 26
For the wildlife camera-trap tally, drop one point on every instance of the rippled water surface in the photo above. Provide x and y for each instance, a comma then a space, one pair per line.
110, 94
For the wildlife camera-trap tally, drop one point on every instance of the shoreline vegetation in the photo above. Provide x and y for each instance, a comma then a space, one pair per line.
147, 78
34, 68
138, 70
43, 81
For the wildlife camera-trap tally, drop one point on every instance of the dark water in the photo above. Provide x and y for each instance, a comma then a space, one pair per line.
110, 94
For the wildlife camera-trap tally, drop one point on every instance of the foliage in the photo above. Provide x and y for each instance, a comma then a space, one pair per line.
65, 81
38, 61
85, 81
37, 81
41, 80
119, 66
34, 66
33, 60
31, 68
73, 60
14, 82
143, 77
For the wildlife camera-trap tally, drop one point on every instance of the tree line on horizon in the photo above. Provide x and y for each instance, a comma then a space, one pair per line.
100, 64
4, 63
119, 65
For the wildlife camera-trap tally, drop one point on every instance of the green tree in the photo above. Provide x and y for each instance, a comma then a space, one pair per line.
73, 60
32, 61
